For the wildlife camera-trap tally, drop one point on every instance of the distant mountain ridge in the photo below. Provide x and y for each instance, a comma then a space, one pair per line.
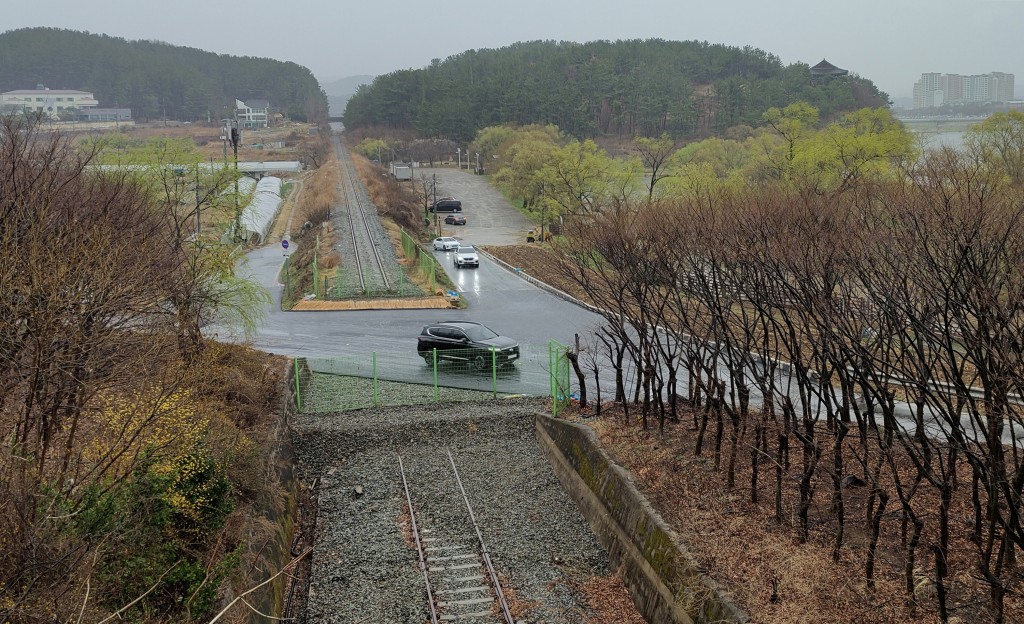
341, 90
154, 79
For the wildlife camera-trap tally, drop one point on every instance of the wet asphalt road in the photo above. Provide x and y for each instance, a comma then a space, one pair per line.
495, 296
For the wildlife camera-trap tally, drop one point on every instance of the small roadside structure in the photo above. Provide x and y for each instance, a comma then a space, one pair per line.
401, 171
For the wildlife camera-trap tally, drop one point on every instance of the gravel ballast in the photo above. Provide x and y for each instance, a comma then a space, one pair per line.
364, 566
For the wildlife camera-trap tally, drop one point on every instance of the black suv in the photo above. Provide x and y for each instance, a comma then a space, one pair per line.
466, 342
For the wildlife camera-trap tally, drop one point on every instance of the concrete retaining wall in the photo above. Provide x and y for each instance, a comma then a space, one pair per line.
279, 458
664, 580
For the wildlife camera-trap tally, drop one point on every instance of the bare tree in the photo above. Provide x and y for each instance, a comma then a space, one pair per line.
81, 254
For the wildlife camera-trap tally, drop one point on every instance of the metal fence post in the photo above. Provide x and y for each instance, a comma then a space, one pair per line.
551, 379
316, 269
376, 398
435, 374
298, 391
494, 373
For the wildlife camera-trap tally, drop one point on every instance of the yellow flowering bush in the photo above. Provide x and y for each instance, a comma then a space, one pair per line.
166, 425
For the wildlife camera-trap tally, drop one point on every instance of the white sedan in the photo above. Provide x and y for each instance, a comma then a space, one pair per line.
446, 243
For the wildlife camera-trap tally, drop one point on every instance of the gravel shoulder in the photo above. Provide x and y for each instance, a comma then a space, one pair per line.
364, 567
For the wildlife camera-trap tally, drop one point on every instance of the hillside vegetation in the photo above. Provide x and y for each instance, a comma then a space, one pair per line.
154, 79
135, 465
623, 89
824, 328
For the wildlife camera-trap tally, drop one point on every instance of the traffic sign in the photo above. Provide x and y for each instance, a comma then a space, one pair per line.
284, 243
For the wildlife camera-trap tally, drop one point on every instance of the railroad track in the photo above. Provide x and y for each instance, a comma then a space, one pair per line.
460, 581
369, 266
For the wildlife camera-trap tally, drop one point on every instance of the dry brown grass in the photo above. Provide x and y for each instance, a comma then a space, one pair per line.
320, 190
422, 303
397, 201
609, 601
740, 545
206, 136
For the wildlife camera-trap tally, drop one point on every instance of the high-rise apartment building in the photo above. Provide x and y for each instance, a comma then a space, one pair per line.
928, 91
937, 89
1004, 86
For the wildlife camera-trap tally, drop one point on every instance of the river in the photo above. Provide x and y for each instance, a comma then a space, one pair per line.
931, 140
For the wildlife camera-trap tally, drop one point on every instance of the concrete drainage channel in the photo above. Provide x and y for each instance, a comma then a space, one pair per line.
551, 508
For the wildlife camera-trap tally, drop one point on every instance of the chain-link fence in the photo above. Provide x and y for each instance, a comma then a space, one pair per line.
558, 364
418, 278
343, 383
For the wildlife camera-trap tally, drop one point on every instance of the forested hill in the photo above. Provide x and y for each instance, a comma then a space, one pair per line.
622, 88
156, 80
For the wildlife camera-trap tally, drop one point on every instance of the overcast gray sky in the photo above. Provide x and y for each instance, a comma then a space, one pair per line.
888, 41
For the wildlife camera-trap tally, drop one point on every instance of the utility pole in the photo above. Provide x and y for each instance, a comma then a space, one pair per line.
236, 138
226, 137
433, 189
437, 220
458, 155
543, 209
197, 201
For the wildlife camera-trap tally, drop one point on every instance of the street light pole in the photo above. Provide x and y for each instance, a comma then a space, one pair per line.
458, 155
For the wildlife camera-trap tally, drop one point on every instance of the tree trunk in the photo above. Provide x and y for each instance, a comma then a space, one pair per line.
719, 429
838, 506
702, 428
910, 558
781, 451
580, 377
876, 529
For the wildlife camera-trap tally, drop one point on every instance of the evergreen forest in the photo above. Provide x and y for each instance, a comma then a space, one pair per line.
156, 80
621, 89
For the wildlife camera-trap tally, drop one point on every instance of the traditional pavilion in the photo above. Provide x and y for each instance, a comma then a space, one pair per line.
824, 68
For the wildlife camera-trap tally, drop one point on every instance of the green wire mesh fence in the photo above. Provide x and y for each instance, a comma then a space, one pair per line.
418, 278
336, 384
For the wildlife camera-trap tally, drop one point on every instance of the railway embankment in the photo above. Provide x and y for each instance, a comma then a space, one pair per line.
663, 578
364, 560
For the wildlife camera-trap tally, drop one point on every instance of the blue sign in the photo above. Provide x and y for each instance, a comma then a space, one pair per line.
284, 243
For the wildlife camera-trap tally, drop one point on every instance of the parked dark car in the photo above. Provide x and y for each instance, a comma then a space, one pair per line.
455, 219
446, 204
466, 342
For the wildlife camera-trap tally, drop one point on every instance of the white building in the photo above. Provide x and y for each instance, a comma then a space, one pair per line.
254, 114
51, 102
934, 89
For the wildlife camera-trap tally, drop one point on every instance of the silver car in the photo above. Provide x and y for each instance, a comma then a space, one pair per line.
466, 255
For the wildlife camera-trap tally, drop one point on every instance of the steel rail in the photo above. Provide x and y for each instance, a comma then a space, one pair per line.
374, 247
505, 611
370, 240
350, 196
434, 618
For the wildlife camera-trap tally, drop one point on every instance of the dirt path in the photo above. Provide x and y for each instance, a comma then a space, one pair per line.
283, 223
